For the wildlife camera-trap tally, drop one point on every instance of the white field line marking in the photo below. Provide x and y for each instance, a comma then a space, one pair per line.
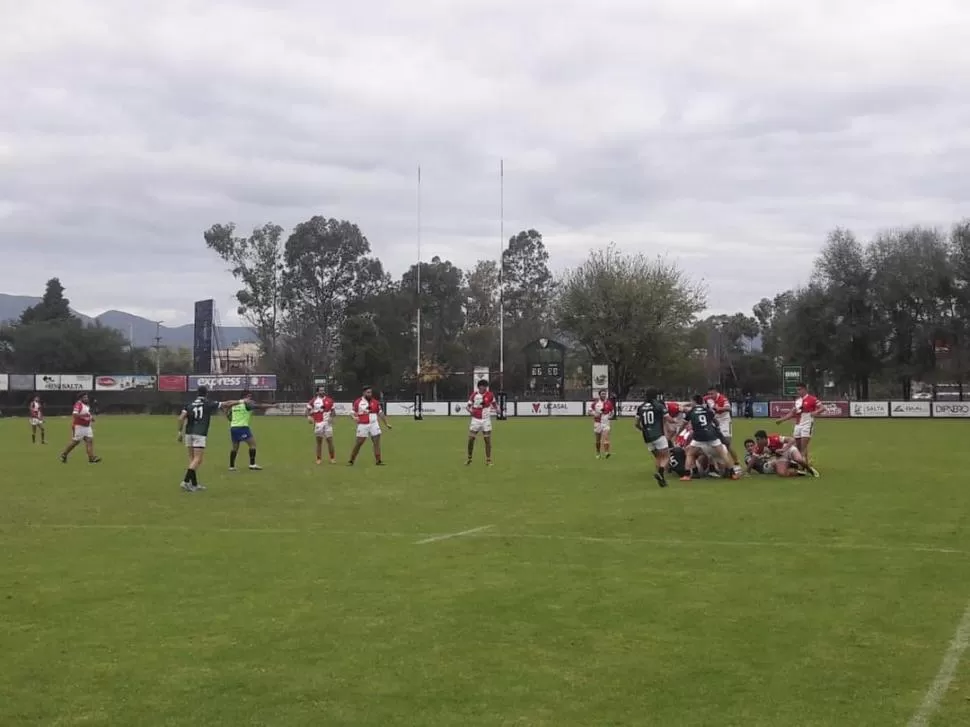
480, 532
951, 660
449, 536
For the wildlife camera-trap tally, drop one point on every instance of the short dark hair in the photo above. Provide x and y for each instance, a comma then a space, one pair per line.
698, 399
202, 391
246, 392
652, 393
800, 385
748, 441
483, 382
761, 434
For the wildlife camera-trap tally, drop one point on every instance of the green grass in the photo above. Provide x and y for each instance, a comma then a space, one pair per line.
300, 596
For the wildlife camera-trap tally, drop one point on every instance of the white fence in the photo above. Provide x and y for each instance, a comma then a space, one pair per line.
532, 409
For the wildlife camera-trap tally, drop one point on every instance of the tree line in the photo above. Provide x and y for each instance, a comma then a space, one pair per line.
875, 318
49, 338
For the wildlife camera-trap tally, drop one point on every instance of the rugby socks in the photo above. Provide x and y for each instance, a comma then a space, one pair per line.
232, 457
471, 448
252, 456
190, 477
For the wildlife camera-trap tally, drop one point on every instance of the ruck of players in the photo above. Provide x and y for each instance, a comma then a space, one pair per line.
694, 440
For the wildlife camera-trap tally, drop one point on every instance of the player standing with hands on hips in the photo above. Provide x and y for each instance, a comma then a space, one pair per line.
367, 412
481, 404
601, 410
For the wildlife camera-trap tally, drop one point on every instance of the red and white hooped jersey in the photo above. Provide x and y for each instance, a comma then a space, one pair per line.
36, 410
480, 405
776, 445
602, 409
82, 415
806, 407
366, 410
673, 409
320, 409
719, 401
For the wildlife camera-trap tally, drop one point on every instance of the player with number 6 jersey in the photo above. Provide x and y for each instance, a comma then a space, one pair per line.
481, 406
651, 418
601, 409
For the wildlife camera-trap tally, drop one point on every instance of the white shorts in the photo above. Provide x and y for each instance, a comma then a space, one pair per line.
658, 445
804, 431
81, 433
323, 429
725, 429
710, 449
368, 430
601, 427
36, 422
480, 425
195, 441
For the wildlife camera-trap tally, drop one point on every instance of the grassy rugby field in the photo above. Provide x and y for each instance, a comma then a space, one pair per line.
584, 595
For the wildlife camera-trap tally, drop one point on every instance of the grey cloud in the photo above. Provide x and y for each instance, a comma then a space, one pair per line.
730, 136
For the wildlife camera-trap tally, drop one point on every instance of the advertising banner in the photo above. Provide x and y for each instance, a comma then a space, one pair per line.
869, 409
4, 382
434, 408
285, 409
343, 408
253, 382
628, 408
910, 408
21, 382
400, 408
459, 408
173, 382
532, 409
951, 409
600, 378
64, 382
565, 408
830, 409
121, 382
760, 409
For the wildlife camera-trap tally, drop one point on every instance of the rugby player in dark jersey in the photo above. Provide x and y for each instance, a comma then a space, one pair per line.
708, 440
650, 420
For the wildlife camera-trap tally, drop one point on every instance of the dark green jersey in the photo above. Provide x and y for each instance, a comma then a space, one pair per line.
651, 417
703, 424
200, 413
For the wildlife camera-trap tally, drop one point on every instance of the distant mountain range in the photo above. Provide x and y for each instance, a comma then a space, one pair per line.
141, 330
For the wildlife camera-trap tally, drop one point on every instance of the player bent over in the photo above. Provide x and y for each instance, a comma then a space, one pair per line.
194, 422
481, 405
789, 461
367, 412
601, 410
37, 421
320, 414
81, 430
707, 441
650, 420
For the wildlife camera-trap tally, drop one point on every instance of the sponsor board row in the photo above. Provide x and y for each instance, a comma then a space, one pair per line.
128, 382
882, 409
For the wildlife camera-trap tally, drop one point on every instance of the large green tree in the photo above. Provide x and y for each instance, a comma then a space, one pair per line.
631, 312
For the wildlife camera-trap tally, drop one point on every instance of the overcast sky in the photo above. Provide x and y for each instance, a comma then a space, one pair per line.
730, 135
